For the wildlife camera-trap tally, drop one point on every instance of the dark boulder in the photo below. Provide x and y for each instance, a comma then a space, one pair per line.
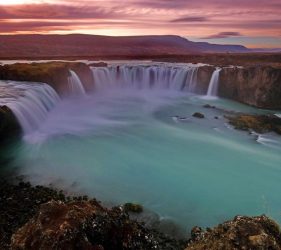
198, 115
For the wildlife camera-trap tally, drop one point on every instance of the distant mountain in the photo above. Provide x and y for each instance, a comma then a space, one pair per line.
268, 50
77, 45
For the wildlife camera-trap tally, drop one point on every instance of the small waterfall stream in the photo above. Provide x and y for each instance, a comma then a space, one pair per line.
75, 85
214, 84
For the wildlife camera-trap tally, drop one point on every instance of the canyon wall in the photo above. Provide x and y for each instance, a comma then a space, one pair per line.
258, 86
53, 73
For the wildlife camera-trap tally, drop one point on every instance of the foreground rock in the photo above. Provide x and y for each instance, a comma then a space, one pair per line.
86, 225
258, 123
18, 204
42, 218
255, 233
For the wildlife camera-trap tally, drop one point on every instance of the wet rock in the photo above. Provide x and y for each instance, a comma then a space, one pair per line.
257, 123
196, 233
208, 106
9, 126
240, 233
198, 115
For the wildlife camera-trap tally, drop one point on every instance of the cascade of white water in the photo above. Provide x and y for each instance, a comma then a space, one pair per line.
214, 83
30, 102
146, 77
75, 85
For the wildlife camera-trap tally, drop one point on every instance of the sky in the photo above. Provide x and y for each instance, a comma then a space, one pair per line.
254, 23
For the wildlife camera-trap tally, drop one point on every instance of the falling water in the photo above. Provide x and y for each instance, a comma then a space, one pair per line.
75, 85
125, 145
214, 83
147, 77
30, 102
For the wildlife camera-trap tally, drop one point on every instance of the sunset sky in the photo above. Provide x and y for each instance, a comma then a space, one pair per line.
254, 23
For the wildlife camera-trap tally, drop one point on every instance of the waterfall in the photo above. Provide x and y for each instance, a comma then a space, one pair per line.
75, 85
30, 102
214, 83
146, 77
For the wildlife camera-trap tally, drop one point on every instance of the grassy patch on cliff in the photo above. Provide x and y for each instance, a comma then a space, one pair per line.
258, 123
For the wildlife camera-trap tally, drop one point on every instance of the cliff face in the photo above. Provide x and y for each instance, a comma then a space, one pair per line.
204, 75
258, 86
53, 73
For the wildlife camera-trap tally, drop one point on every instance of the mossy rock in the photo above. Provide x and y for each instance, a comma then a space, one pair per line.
258, 123
133, 208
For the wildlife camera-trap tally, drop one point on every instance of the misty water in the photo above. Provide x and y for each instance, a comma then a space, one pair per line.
129, 144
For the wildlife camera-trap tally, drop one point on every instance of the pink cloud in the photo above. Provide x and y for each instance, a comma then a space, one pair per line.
196, 18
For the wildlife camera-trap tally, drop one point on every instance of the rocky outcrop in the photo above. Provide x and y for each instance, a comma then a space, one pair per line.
258, 123
46, 219
86, 225
258, 86
53, 73
9, 126
58, 226
255, 233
